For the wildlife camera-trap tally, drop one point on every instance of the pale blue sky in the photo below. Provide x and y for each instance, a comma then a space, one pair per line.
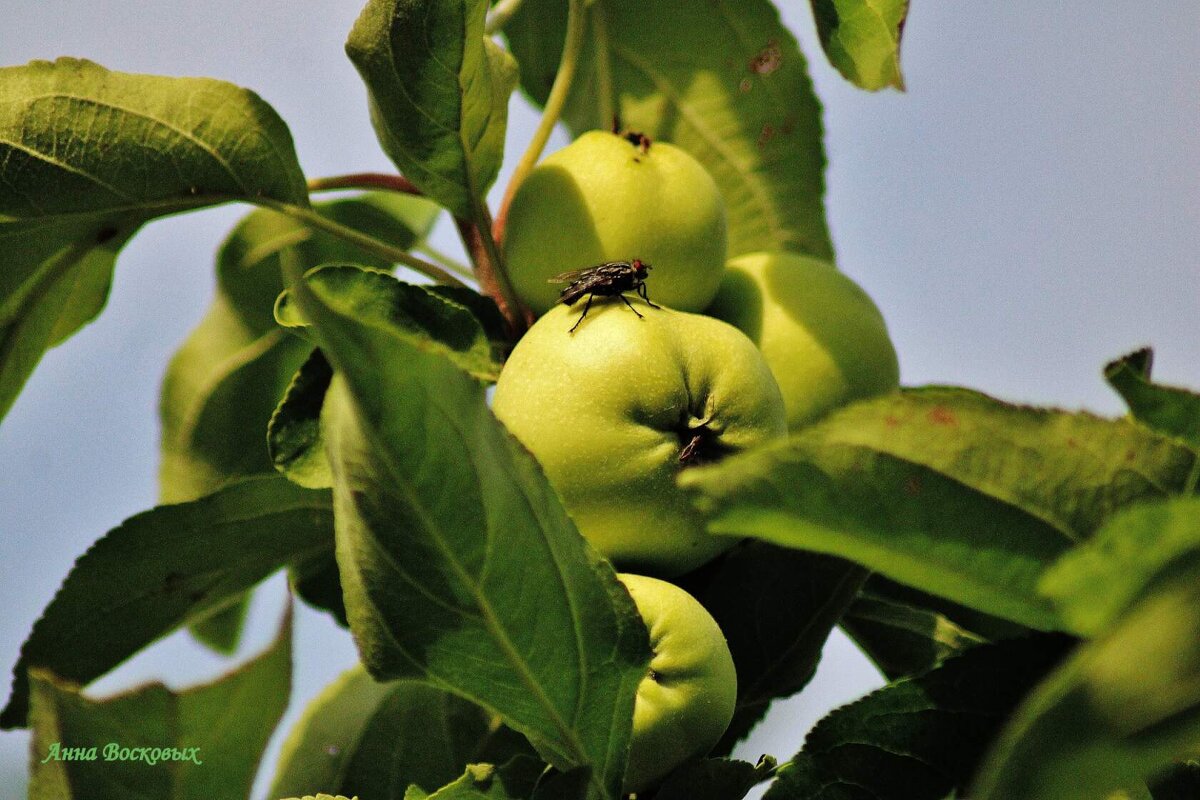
1028, 210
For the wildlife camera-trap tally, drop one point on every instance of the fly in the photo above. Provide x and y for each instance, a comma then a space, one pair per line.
610, 279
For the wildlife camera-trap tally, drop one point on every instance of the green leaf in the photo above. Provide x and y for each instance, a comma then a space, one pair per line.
724, 80
776, 607
917, 738
86, 157
438, 91
1167, 409
430, 317
163, 569
322, 797
375, 739
945, 490
715, 779
1181, 782
426, 317
222, 630
513, 781
1097, 582
862, 39
457, 560
294, 434
217, 397
215, 734
249, 270
1121, 710
903, 639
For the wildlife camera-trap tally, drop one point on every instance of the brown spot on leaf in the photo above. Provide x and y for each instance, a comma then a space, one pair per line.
766, 134
769, 59
912, 486
891, 421
745, 85
940, 415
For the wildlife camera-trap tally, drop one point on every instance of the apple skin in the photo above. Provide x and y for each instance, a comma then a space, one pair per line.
687, 701
825, 340
601, 198
608, 409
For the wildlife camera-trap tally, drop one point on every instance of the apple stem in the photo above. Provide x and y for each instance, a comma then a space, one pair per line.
572, 47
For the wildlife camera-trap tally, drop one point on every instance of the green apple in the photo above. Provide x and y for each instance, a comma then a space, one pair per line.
825, 341
686, 701
604, 198
615, 410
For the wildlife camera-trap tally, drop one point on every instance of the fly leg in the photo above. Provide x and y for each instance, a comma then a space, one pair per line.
631, 308
586, 306
641, 290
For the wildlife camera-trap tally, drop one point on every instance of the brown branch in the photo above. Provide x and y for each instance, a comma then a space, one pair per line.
364, 180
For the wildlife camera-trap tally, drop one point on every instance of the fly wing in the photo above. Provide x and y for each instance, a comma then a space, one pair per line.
570, 276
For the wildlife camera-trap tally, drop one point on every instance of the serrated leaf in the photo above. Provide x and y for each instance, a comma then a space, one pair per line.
1072, 469
945, 490
918, 738
715, 779
723, 80
427, 317
376, 739
903, 639
776, 607
86, 157
903, 520
439, 91
862, 39
1095, 583
224, 724
457, 561
163, 569
1121, 710
1167, 409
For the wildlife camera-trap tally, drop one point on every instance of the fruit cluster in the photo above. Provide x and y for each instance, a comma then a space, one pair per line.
614, 405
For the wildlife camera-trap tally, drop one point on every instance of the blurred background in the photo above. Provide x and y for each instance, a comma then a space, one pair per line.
1028, 210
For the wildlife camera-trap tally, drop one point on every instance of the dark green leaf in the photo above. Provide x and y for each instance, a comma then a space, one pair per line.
776, 608
715, 779
249, 272
86, 157
222, 630
1167, 409
227, 722
318, 584
1121, 710
166, 568
428, 318
1181, 782
439, 93
1098, 581
513, 781
946, 490
217, 397
918, 738
862, 39
360, 737
294, 433
458, 562
903, 639
724, 80
903, 520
